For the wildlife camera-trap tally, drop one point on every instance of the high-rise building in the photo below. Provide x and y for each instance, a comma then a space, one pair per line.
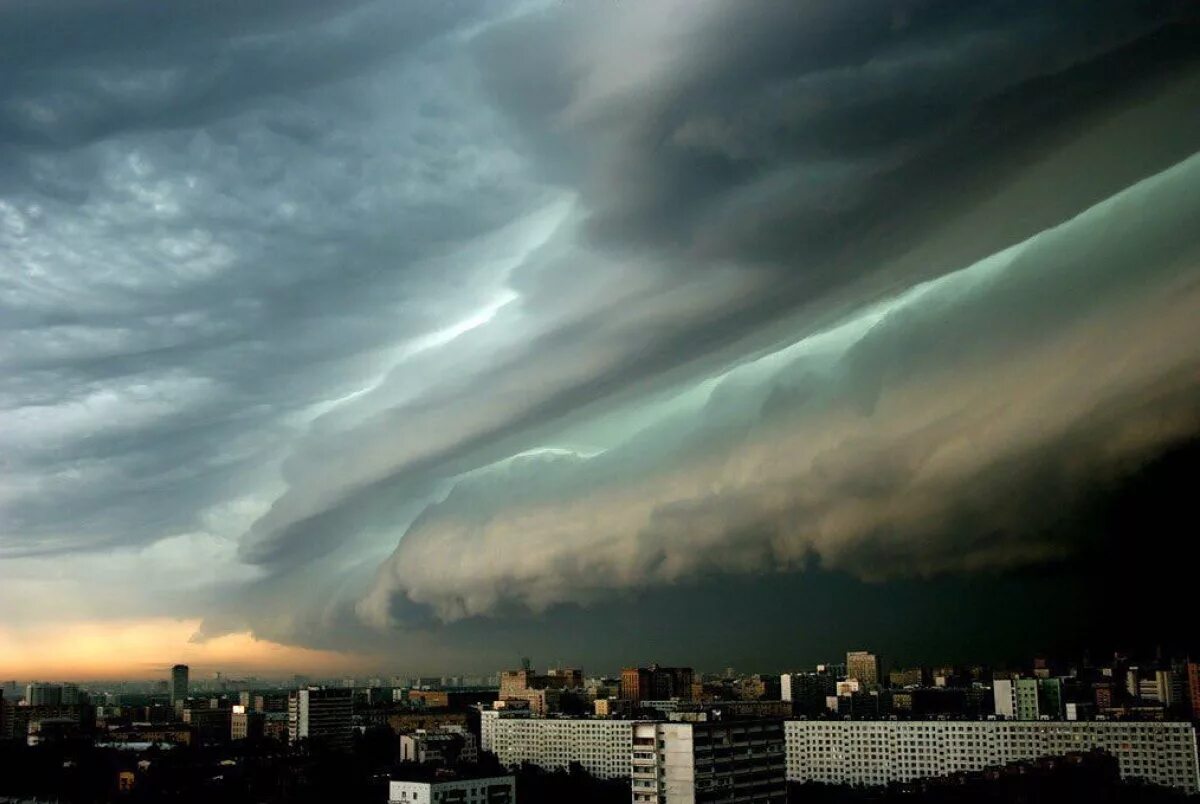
42, 694
179, 685
879, 752
687, 763
321, 715
635, 684
863, 666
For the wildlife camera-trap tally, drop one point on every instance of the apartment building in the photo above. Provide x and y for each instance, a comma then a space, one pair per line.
602, 747
709, 761
879, 752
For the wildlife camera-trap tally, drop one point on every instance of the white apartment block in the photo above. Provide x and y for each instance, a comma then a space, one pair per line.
603, 747
878, 752
490, 790
709, 761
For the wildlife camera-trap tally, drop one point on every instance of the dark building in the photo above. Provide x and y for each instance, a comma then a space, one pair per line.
656, 683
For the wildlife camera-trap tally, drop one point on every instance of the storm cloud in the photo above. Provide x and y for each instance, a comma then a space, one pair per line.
399, 315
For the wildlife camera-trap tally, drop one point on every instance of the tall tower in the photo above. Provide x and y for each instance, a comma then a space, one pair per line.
179, 684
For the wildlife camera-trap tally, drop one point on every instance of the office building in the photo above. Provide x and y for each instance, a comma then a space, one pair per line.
863, 666
709, 761
179, 685
602, 747
321, 715
880, 752
456, 789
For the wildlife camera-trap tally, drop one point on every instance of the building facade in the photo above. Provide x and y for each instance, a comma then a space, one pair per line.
321, 714
863, 666
446, 745
879, 752
489, 790
602, 747
245, 723
709, 761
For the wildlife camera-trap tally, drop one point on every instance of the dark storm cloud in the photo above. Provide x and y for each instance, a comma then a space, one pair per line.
940, 433
281, 279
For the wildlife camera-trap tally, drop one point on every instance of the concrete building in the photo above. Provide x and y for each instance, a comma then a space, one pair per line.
321, 714
445, 745
711, 761
879, 752
863, 666
484, 790
602, 747
179, 685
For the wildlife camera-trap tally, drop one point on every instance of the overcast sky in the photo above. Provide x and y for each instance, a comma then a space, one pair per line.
424, 336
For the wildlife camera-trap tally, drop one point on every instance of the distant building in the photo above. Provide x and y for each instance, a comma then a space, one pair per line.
210, 723
611, 707
881, 752
485, 790
246, 724
541, 692
656, 683
686, 763
909, 677
863, 666
321, 715
446, 745
807, 691
42, 694
179, 685
1028, 698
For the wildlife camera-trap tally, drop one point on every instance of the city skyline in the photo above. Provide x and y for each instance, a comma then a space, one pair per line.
357, 337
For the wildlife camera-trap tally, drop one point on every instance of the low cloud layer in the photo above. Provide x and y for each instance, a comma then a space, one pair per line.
397, 316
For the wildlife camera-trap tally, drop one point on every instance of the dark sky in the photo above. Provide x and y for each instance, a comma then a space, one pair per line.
431, 335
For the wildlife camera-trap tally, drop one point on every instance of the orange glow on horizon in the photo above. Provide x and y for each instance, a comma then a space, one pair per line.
144, 649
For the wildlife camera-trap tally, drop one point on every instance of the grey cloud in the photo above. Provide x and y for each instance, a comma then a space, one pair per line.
276, 275
949, 429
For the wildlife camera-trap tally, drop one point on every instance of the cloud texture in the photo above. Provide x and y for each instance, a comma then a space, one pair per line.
393, 315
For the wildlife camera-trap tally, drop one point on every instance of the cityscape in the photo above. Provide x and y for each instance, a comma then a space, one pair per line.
596, 401
643, 734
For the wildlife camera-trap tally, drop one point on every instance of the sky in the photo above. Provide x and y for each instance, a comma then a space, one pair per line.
367, 336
